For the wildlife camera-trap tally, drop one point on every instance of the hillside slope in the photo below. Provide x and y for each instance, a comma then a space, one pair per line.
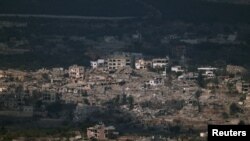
73, 7
201, 11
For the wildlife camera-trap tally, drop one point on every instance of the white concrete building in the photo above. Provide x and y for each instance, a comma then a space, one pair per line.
207, 69
93, 64
160, 62
209, 74
98, 63
177, 69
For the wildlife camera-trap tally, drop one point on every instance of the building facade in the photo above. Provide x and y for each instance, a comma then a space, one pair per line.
117, 62
142, 64
97, 64
101, 132
76, 72
160, 62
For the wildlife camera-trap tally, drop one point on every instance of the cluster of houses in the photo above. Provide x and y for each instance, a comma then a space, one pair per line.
134, 60
129, 74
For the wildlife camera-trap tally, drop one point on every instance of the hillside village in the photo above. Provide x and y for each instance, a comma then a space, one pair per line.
153, 93
122, 70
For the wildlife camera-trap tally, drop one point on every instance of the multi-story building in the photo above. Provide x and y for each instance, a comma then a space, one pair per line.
117, 62
160, 62
207, 72
243, 87
76, 72
142, 64
101, 132
98, 63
